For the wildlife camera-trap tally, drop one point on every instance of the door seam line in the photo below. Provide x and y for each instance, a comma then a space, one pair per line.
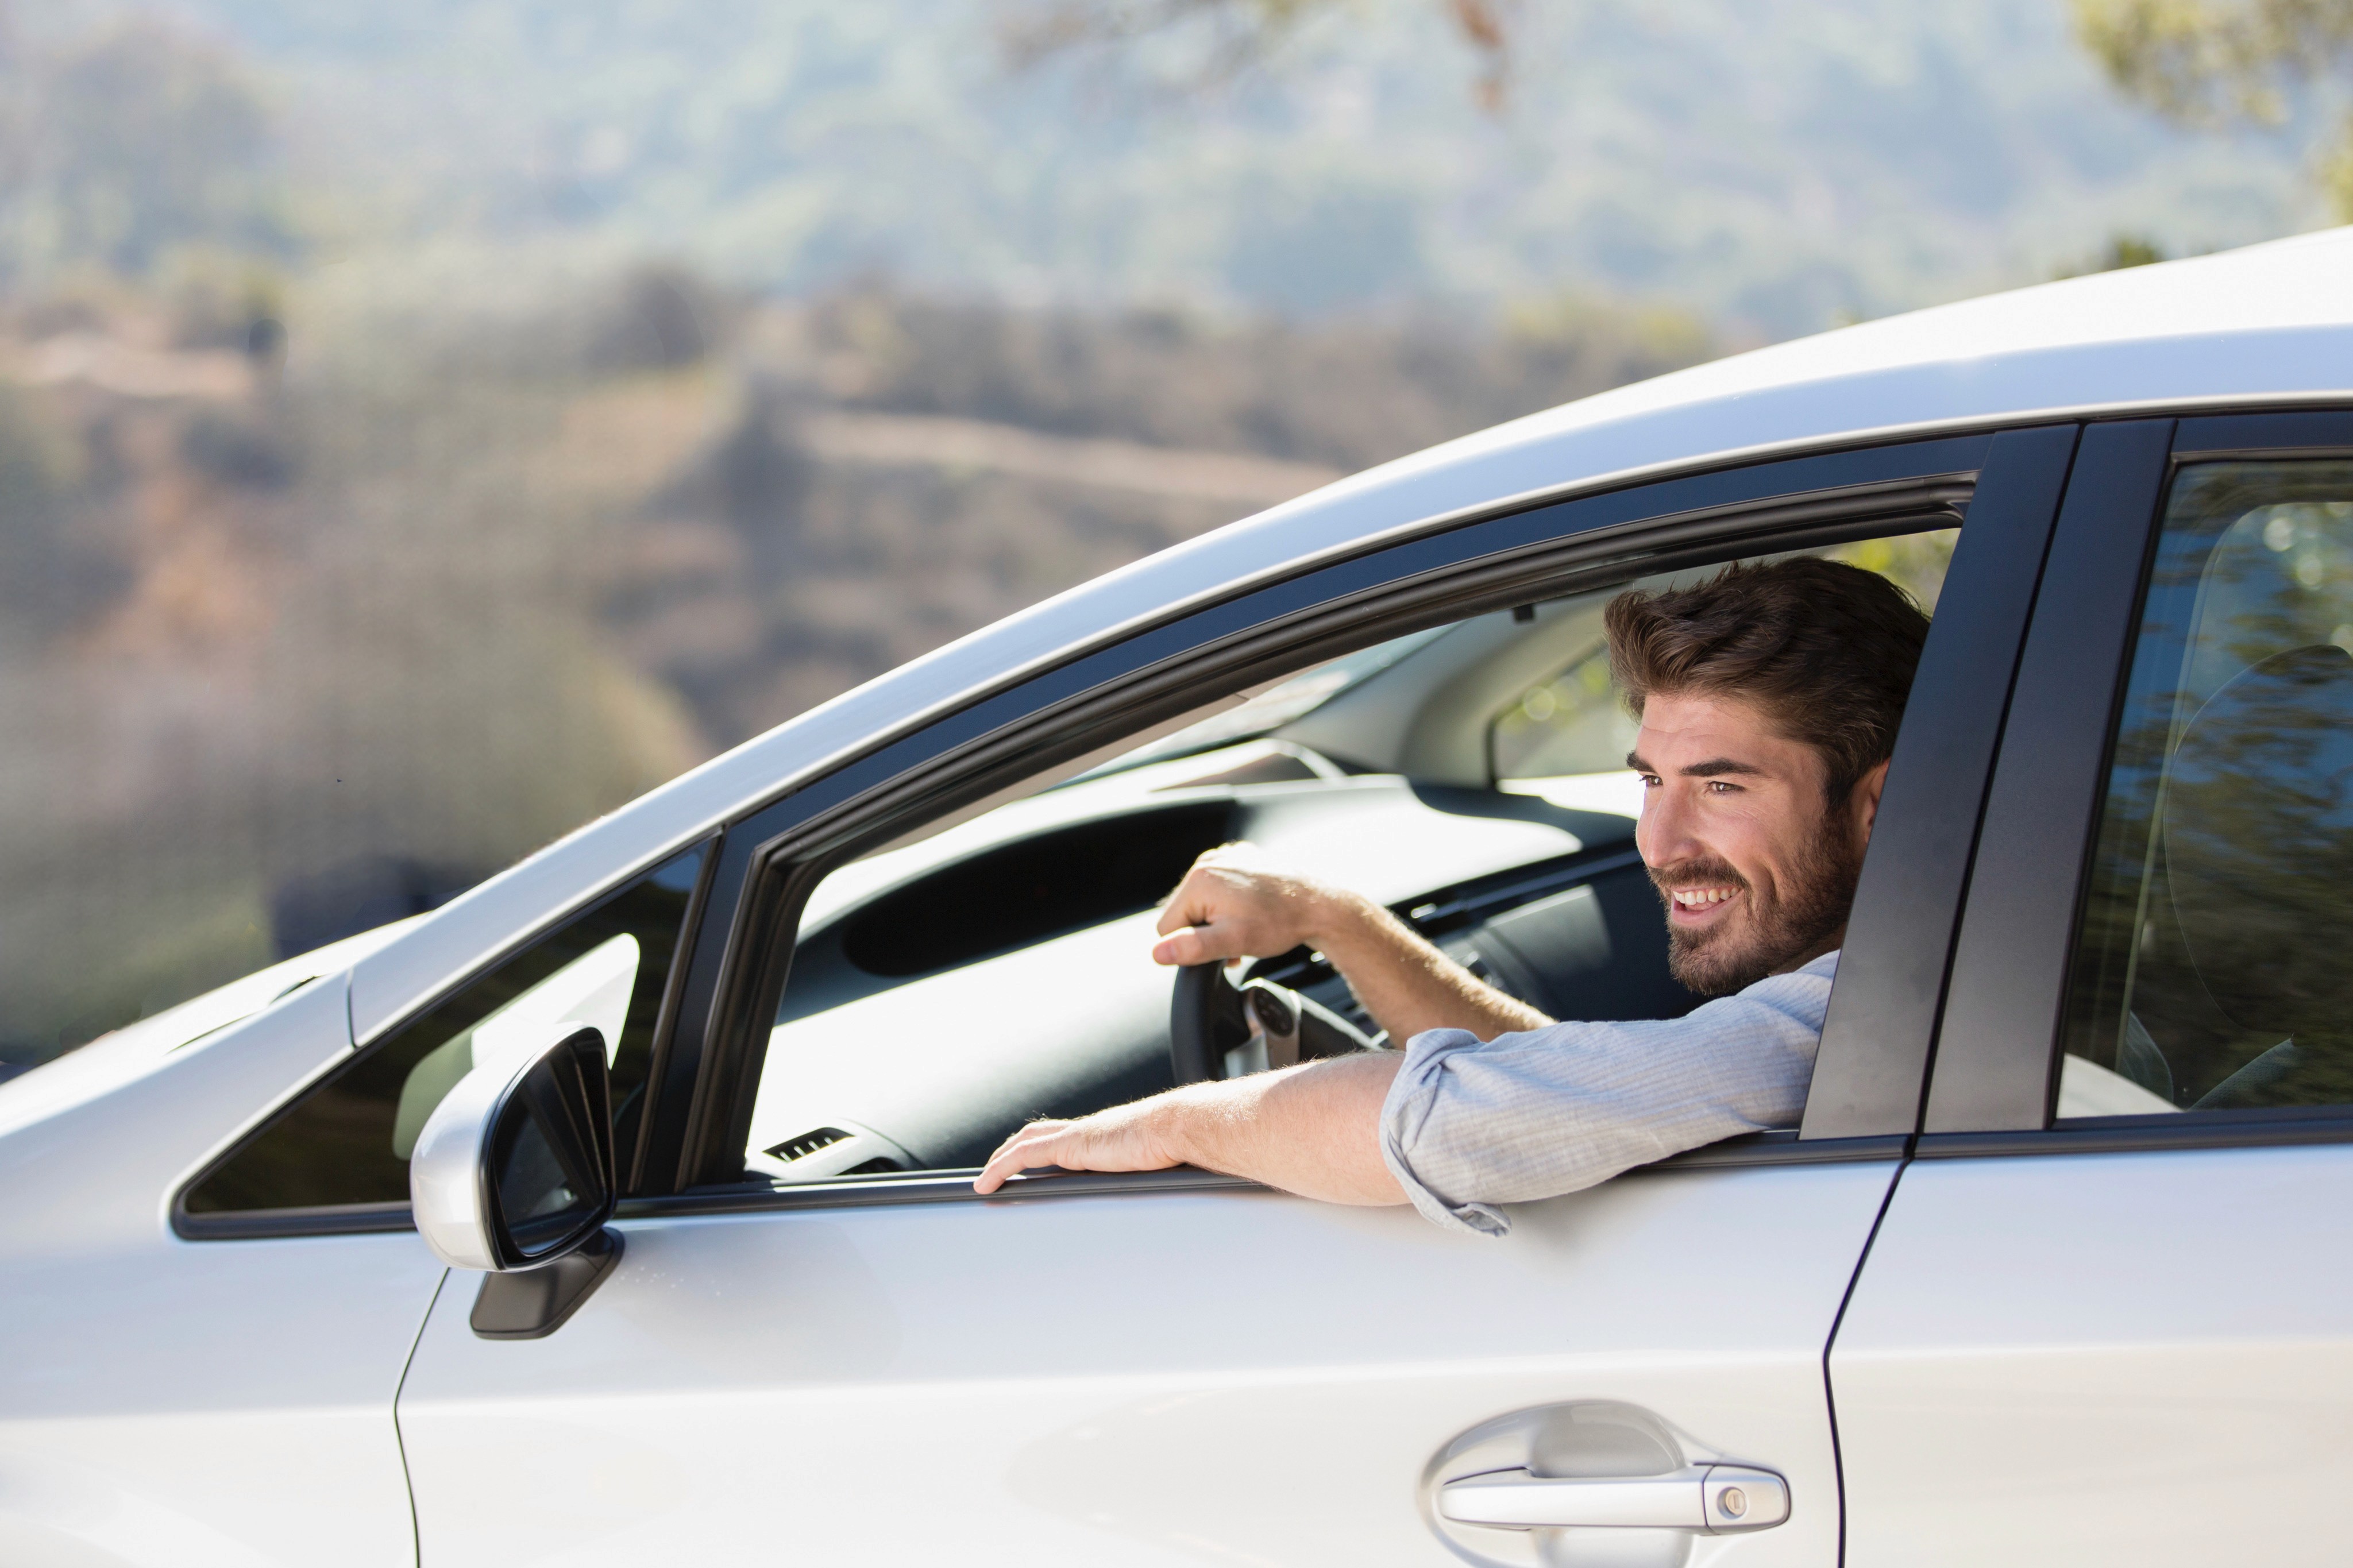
1829, 1395
400, 1443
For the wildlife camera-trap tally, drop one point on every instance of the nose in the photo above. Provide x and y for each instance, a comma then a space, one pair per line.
1664, 834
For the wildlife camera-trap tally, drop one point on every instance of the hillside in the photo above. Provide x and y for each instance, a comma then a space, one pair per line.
1770, 165
309, 629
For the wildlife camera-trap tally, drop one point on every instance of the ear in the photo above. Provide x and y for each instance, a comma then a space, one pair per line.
1865, 800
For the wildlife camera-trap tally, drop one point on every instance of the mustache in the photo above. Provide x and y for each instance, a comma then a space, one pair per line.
1702, 871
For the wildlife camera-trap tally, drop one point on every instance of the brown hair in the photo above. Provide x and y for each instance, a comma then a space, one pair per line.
1828, 650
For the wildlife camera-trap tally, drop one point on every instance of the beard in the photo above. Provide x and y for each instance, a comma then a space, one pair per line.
1773, 933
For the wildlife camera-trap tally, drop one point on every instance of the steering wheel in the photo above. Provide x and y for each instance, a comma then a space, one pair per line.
1209, 1018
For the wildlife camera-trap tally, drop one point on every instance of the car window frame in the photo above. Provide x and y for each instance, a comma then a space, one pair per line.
1993, 1084
1873, 1070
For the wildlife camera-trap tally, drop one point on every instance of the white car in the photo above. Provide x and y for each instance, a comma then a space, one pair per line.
620, 1212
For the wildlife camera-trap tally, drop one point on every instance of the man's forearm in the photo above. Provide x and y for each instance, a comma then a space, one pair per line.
1407, 984
1315, 1128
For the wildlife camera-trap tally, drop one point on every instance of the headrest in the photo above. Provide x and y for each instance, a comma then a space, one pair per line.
2259, 843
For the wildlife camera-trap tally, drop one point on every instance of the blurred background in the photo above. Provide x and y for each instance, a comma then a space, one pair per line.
424, 427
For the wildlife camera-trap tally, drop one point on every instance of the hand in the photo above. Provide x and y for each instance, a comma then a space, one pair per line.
1313, 1130
1236, 903
1125, 1138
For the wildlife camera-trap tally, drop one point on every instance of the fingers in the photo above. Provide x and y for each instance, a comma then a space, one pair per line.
1180, 911
1232, 904
1212, 879
1190, 903
1120, 1139
1033, 1146
1191, 911
1191, 945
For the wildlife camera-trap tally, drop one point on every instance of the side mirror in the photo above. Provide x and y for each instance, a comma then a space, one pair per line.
512, 1174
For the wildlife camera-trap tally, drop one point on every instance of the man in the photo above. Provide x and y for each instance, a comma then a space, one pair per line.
1768, 697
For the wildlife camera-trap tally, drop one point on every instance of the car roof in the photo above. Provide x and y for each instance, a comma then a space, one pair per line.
2268, 323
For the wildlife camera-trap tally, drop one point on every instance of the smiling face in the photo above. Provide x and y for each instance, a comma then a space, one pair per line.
1756, 869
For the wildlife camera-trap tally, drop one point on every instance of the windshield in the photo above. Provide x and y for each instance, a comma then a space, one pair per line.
1278, 705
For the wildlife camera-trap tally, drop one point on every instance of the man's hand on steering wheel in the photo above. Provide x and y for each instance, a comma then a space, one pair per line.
1236, 903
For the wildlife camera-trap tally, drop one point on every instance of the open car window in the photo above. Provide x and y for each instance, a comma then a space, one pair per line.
945, 990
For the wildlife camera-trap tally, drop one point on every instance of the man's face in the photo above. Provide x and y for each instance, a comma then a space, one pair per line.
1758, 873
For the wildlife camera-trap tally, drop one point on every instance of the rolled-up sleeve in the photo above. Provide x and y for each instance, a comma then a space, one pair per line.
1468, 1124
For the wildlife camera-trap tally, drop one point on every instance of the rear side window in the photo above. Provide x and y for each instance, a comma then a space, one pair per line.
1574, 723
2212, 972
347, 1142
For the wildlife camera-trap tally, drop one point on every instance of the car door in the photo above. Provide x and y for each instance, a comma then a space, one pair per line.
2108, 1317
190, 1394
1175, 1366
213, 1283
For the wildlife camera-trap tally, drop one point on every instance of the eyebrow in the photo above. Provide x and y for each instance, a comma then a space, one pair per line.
1714, 768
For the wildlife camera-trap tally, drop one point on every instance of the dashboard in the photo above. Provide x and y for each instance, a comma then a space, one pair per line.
944, 993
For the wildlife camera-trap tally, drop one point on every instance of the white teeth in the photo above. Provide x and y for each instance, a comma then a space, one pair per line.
1699, 898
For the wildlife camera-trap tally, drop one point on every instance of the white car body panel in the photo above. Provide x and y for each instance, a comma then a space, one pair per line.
1057, 1382
117, 1059
2268, 323
2140, 1359
152, 1382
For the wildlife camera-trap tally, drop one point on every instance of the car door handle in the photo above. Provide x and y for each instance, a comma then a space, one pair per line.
1715, 1498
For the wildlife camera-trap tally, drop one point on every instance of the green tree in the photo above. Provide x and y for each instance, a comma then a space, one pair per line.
1229, 36
128, 144
2219, 62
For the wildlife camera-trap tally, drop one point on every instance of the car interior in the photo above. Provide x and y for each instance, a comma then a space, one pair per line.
2207, 982
1472, 777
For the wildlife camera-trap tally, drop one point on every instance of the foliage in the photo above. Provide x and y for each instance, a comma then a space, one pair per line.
48, 571
2212, 62
127, 145
2122, 250
1227, 36
1767, 163
1917, 562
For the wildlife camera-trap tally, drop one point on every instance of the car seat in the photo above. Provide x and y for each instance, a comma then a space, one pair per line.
2258, 840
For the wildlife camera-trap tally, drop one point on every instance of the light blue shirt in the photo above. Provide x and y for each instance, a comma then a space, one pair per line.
1470, 1124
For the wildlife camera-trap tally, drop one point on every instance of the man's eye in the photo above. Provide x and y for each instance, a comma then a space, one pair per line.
1718, 787
1649, 781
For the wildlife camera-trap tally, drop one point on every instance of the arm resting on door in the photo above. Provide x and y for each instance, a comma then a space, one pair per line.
1313, 1130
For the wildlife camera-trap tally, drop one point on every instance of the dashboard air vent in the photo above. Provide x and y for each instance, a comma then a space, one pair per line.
808, 1144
